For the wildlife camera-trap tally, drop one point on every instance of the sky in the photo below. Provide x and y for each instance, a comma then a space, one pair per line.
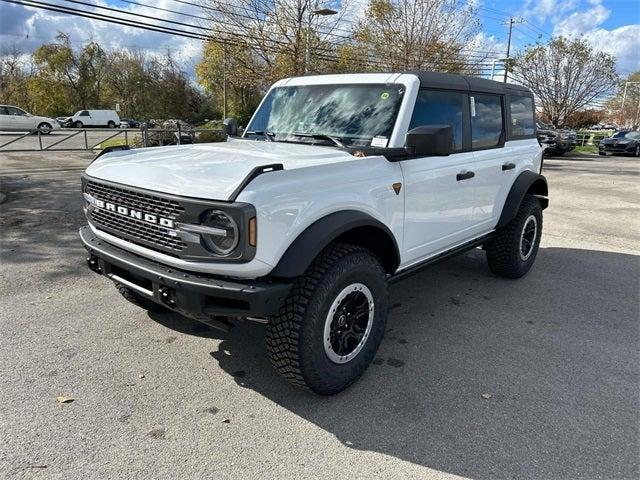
612, 26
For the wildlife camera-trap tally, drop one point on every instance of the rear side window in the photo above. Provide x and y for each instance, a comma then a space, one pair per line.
486, 121
440, 108
15, 111
522, 122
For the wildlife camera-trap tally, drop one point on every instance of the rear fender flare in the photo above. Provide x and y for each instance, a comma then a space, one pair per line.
528, 182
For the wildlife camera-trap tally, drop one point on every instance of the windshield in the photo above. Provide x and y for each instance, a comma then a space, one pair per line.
356, 115
629, 135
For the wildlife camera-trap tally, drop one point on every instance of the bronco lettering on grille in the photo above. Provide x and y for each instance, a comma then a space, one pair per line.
137, 214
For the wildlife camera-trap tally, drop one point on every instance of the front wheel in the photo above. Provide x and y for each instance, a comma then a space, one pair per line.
332, 322
78, 124
45, 128
513, 250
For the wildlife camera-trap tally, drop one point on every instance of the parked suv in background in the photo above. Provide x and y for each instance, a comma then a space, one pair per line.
554, 142
94, 118
15, 119
340, 185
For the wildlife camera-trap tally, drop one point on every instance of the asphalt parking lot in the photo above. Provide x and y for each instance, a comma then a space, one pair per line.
159, 396
63, 139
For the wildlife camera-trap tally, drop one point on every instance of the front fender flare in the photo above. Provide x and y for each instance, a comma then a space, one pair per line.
306, 247
528, 182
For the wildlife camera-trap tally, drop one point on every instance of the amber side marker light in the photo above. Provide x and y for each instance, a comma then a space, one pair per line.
253, 232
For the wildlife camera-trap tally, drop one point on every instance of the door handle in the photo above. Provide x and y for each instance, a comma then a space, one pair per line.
508, 166
465, 175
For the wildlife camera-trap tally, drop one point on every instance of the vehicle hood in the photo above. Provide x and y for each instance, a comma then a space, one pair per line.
549, 133
209, 171
616, 141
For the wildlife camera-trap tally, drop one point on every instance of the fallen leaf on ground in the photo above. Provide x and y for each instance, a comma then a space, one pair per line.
226, 420
65, 399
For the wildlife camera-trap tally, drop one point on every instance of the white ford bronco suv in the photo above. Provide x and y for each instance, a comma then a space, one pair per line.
339, 185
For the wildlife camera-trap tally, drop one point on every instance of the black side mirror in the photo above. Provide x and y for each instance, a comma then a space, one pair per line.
230, 127
430, 140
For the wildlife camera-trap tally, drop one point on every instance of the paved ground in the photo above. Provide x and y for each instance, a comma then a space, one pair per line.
160, 396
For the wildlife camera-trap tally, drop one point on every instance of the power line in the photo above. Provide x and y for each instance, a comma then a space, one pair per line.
478, 65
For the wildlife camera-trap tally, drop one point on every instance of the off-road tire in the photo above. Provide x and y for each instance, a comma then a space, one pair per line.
138, 300
503, 251
295, 337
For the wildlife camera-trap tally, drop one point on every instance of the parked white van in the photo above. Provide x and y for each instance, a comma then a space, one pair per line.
94, 118
15, 119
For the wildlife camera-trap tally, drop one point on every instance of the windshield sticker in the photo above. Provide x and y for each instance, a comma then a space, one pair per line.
379, 142
384, 96
473, 106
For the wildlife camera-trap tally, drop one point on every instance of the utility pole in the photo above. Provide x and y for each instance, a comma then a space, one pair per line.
506, 60
224, 81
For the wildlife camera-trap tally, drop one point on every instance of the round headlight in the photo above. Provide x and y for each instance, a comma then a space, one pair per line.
226, 240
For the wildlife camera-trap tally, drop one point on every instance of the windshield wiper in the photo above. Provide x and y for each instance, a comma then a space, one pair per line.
268, 135
320, 136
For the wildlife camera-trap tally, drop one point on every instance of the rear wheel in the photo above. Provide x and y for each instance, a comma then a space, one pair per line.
331, 324
512, 252
138, 300
111, 124
637, 153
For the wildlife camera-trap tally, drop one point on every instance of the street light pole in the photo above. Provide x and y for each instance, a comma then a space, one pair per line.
322, 12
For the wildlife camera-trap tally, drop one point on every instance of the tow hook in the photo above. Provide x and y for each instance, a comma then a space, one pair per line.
167, 296
92, 263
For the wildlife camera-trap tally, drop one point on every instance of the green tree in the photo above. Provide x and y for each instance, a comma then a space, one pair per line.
66, 79
231, 74
565, 75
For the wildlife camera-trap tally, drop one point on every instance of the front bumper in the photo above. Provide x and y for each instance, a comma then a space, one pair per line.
624, 149
201, 297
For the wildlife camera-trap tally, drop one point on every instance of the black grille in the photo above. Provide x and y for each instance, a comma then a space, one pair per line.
131, 228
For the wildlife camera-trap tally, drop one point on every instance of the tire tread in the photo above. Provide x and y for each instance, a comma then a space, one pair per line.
283, 330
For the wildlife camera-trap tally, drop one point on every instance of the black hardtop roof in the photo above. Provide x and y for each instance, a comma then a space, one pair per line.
450, 81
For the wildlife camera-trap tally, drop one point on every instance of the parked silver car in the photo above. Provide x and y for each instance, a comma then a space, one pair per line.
15, 119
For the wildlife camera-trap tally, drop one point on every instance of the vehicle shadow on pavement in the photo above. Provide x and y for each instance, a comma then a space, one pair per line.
489, 378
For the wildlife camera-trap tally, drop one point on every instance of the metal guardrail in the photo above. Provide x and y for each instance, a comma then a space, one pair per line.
590, 138
135, 138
